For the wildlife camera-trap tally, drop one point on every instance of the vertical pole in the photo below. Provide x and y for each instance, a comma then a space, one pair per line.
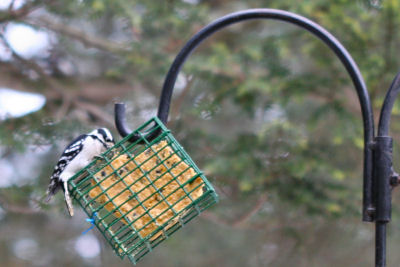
343, 55
380, 244
376, 187
383, 173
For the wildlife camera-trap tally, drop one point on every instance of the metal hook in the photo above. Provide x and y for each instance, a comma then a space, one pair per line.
120, 124
319, 32
380, 145
314, 28
120, 119
387, 107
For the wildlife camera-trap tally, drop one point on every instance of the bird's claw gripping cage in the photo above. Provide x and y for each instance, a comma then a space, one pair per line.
142, 191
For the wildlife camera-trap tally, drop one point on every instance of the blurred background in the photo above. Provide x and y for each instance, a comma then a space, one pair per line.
264, 108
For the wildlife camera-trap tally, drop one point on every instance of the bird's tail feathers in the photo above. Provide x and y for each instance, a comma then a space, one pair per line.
49, 196
68, 200
53, 188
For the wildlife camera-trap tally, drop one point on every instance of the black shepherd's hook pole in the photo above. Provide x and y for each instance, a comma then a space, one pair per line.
385, 177
378, 178
318, 31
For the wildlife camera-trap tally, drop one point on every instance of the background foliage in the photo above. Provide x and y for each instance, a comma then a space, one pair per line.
264, 108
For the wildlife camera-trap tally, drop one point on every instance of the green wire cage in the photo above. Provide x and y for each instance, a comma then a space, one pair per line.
141, 192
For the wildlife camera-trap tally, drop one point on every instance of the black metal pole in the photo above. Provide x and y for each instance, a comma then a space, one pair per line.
386, 111
384, 173
120, 124
380, 244
377, 166
368, 209
382, 188
351, 67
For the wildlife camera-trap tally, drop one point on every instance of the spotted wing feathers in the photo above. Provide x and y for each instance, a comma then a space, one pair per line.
70, 152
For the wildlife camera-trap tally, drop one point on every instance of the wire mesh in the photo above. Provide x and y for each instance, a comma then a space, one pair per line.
142, 191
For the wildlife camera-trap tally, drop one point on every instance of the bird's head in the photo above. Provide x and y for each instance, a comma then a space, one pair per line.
105, 136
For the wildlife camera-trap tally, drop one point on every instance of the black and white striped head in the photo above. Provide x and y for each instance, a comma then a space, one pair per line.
104, 136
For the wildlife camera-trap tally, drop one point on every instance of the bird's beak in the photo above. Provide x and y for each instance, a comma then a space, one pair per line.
109, 144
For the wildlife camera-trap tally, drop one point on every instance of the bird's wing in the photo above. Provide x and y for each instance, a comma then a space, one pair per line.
70, 152
76, 141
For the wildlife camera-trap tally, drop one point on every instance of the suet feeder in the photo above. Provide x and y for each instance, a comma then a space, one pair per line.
139, 193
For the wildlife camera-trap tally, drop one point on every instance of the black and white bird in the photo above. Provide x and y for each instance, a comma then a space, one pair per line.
77, 155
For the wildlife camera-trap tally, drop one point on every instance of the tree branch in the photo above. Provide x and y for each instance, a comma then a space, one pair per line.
240, 223
17, 208
246, 217
95, 111
11, 14
35, 67
77, 34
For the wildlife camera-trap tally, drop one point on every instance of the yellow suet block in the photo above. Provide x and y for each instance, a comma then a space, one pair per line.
150, 185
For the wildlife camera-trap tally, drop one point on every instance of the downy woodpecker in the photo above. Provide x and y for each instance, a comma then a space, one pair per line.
77, 155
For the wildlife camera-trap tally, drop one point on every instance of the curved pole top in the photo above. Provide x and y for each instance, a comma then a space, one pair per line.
391, 95
302, 22
274, 14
